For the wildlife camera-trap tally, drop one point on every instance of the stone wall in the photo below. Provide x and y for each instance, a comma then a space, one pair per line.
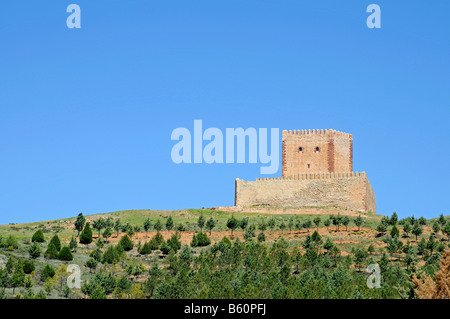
347, 190
316, 151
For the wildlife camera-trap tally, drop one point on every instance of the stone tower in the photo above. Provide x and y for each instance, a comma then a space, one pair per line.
317, 171
316, 151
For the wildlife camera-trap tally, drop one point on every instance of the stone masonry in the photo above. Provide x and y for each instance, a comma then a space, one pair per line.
316, 172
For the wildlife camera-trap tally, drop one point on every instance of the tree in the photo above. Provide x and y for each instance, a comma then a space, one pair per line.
327, 223
290, 224
126, 243
38, 236
360, 256
210, 224
317, 221
371, 249
86, 234
328, 245
200, 240
436, 227
79, 223
271, 223
186, 254
65, 254
18, 277
232, 224
91, 263
34, 250
337, 220
169, 224
107, 233
243, 223
381, 228
394, 219
261, 237
394, 231
358, 221
345, 222
307, 224
407, 228
158, 225
117, 226
437, 286
422, 221
442, 220
147, 225
51, 252
47, 272
56, 241
201, 222
98, 225
446, 230
417, 229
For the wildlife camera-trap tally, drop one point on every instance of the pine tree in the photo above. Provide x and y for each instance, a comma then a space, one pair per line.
38, 236
147, 225
201, 222
439, 288
51, 252
210, 224
169, 224
65, 254
91, 263
34, 250
86, 234
79, 223
232, 223
126, 243
55, 240
73, 245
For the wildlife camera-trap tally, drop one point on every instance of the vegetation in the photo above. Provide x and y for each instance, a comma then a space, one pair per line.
265, 256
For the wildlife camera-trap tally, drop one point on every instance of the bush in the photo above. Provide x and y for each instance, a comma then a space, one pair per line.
34, 250
96, 254
28, 266
112, 255
86, 235
126, 243
200, 240
65, 254
38, 236
174, 242
55, 240
51, 252
11, 241
145, 249
47, 272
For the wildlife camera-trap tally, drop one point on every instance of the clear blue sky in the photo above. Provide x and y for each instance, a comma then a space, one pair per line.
87, 114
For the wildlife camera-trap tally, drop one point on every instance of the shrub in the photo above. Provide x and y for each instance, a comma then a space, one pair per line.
86, 235
34, 250
51, 251
174, 242
55, 240
47, 272
28, 266
38, 236
126, 243
200, 240
65, 254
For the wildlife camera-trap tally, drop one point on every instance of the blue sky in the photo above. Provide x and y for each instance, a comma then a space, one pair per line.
86, 114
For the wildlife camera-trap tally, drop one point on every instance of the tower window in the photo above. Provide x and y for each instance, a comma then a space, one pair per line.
300, 149
309, 165
317, 149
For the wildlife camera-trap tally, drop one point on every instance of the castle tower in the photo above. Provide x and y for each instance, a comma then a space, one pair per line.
316, 151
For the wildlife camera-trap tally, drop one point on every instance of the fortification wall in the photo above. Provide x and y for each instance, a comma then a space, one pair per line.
316, 151
347, 190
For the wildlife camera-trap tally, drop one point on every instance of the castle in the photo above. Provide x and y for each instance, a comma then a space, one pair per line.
317, 171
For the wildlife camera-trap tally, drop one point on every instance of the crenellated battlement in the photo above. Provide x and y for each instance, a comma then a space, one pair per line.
303, 176
316, 131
